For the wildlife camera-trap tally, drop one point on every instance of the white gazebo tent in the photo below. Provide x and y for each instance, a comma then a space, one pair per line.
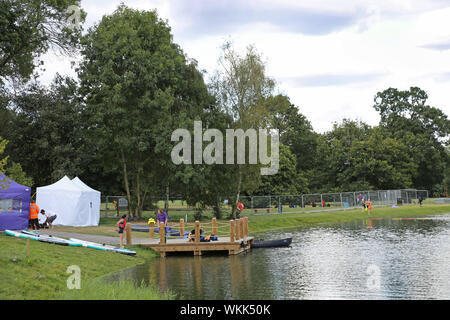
73, 203
95, 200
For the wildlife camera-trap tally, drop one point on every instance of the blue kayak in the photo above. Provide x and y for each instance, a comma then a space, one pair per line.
169, 230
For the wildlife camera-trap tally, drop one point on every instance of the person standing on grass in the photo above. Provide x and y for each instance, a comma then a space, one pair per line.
34, 216
363, 204
161, 217
122, 223
420, 200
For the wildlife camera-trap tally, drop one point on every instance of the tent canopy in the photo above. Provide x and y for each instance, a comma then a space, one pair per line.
74, 203
14, 204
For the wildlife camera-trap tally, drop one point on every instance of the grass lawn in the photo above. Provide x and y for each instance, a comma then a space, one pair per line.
44, 274
298, 220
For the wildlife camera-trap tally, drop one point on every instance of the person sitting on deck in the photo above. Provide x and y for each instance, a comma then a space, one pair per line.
192, 235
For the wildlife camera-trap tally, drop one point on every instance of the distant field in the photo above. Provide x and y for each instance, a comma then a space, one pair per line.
178, 209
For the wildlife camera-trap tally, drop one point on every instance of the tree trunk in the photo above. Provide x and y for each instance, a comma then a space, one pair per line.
127, 185
166, 205
137, 209
217, 209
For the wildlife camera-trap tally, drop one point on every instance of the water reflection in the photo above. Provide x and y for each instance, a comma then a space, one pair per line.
412, 258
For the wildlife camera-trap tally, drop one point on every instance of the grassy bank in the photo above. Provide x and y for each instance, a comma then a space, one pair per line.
299, 220
44, 274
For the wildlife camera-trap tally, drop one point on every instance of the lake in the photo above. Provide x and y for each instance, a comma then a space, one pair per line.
370, 259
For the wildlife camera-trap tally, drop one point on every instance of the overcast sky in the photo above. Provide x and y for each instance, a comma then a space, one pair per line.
330, 57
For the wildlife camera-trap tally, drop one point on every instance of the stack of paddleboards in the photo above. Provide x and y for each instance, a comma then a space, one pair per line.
42, 237
103, 246
25, 234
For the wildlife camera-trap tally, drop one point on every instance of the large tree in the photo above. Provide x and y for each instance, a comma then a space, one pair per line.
45, 131
139, 87
242, 88
30, 28
355, 156
423, 129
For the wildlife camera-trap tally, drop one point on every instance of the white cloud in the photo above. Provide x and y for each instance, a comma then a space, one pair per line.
332, 63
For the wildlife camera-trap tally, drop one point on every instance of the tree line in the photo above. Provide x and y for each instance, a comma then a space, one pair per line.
112, 125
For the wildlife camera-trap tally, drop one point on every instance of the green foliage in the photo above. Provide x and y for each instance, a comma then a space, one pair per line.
29, 29
99, 289
354, 156
16, 173
139, 88
423, 129
46, 132
288, 180
2, 162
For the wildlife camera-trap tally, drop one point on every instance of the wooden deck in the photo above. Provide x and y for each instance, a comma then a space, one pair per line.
223, 244
238, 241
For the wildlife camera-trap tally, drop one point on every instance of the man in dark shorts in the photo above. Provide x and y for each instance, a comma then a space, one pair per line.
420, 200
49, 218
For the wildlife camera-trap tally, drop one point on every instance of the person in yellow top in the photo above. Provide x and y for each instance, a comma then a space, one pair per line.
34, 216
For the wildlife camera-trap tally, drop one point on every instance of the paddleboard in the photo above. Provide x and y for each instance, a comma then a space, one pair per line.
20, 235
104, 247
50, 239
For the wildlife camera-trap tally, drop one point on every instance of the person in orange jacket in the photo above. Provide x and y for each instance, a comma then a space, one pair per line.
34, 216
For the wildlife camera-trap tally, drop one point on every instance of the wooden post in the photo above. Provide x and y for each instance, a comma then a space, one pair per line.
28, 247
151, 230
128, 227
162, 233
237, 231
182, 227
241, 228
214, 226
231, 230
245, 226
197, 231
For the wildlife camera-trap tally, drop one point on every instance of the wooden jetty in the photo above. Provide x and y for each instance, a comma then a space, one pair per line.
237, 242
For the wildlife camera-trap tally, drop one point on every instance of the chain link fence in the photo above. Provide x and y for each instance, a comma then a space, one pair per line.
114, 206
337, 200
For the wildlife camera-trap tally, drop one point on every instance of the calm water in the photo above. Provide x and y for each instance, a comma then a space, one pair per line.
374, 259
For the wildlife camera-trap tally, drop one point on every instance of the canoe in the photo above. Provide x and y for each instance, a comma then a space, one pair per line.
261, 243
102, 246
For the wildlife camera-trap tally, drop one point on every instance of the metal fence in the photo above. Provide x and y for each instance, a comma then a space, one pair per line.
334, 200
117, 205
